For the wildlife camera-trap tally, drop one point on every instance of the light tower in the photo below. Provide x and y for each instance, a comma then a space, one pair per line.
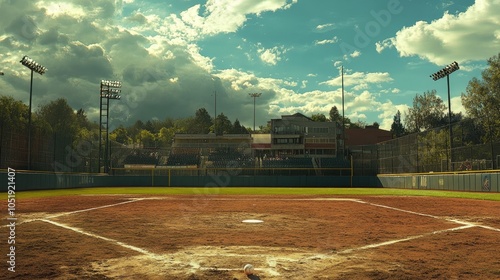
343, 117
254, 95
34, 67
445, 72
109, 90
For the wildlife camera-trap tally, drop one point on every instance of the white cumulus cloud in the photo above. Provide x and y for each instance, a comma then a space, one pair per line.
225, 16
359, 80
271, 56
466, 36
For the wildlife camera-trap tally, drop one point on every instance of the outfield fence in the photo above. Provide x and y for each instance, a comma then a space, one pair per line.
474, 181
189, 177
424, 152
178, 177
430, 151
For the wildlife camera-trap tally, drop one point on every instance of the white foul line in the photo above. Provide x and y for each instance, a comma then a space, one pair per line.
403, 239
398, 209
137, 249
430, 216
95, 208
488, 227
77, 211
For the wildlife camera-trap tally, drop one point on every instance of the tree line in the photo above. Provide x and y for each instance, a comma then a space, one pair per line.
481, 102
58, 119
157, 133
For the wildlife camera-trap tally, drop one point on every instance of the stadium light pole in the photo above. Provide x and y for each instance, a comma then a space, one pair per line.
343, 117
445, 72
109, 90
254, 95
215, 112
34, 67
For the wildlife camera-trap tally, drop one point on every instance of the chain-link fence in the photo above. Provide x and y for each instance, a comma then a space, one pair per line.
427, 151
60, 153
364, 160
430, 151
46, 151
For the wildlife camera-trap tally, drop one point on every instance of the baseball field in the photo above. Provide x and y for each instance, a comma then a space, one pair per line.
285, 233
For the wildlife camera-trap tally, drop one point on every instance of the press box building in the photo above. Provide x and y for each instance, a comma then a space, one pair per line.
297, 135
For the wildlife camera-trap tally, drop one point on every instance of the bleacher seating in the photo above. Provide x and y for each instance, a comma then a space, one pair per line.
184, 157
183, 160
220, 158
141, 158
300, 162
333, 162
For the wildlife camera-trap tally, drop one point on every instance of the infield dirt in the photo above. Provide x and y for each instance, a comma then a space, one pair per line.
301, 237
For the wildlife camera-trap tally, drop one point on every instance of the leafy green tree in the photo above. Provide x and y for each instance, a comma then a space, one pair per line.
134, 130
157, 125
168, 122
433, 149
358, 124
146, 138
318, 117
427, 111
165, 136
336, 117
13, 112
222, 125
397, 127
238, 128
470, 132
120, 135
81, 119
60, 116
149, 126
482, 99
264, 129
202, 121
185, 125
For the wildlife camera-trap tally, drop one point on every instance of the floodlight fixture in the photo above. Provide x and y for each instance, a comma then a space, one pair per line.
254, 95
445, 72
114, 90
38, 68
109, 90
110, 96
113, 84
33, 65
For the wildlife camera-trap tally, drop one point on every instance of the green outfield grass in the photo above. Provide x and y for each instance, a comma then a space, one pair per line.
253, 191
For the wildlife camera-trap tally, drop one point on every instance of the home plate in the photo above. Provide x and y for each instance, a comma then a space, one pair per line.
252, 221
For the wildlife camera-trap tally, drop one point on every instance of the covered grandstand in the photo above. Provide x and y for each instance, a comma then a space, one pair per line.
295, 142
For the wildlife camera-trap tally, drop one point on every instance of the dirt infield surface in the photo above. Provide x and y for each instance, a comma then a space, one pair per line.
300, 237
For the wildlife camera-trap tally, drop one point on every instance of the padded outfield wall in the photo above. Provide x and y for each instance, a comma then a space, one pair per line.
474, 182
25, 181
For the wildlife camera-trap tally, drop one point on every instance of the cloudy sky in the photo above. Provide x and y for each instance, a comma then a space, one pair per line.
173, 55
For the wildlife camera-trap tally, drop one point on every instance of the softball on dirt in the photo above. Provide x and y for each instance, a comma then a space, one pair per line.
248, 269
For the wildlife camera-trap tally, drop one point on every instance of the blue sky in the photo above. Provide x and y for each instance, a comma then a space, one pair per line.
173, 55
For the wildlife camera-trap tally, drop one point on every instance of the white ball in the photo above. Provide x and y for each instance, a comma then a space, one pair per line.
248, 269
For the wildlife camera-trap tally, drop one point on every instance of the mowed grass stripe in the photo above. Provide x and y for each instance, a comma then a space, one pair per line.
252, 191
